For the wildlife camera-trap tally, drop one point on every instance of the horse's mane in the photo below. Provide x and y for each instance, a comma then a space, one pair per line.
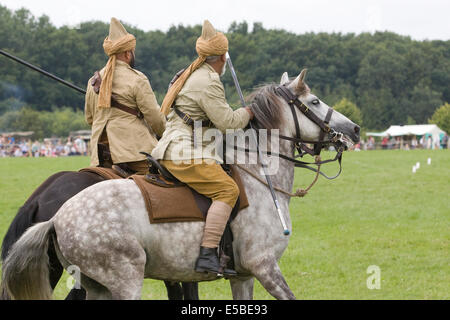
265, 105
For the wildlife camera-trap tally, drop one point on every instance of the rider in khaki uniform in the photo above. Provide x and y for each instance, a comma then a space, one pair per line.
199, 94
126, 134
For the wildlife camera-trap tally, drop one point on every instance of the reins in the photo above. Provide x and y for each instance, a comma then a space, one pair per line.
299, 193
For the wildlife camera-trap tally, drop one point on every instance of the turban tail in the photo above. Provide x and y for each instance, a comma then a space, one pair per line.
216, 46
126, 43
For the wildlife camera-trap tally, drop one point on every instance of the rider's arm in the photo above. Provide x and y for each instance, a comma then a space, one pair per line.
214, 104
147, 104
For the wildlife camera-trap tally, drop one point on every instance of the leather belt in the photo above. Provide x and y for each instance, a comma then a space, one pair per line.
124, 108
189, 121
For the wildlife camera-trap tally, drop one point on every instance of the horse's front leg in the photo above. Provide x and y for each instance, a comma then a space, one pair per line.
185, 291
269, 275
242, 289
174, 290
190, 290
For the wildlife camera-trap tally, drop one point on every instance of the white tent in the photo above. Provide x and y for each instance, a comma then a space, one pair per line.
410, 130
417, 130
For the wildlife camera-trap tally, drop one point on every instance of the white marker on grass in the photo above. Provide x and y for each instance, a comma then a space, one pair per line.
429, 161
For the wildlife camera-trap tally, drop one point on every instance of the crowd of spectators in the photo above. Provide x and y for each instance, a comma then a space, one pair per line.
407, 143
76, 146
424, 142
21, 147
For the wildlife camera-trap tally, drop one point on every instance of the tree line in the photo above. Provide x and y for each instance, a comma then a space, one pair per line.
391, 79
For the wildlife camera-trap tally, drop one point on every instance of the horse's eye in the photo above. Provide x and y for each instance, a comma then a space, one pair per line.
315, 102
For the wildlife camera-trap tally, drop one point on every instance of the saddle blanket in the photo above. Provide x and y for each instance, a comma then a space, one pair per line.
171, 202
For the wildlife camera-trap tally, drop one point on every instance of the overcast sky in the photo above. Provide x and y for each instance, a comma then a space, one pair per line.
420, 19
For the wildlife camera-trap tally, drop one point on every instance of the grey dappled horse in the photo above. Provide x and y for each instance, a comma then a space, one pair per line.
105, 231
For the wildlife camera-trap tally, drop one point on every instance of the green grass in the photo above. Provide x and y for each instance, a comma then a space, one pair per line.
376, 213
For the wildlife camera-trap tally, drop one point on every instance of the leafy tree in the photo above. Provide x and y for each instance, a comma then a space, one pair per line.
45, 124
441, 117
391, 78
11, 104
350, 110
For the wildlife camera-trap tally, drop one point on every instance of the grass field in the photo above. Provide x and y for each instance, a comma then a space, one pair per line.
377, 213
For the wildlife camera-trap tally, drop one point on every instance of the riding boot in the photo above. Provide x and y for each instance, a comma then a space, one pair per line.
216, 221
208, 261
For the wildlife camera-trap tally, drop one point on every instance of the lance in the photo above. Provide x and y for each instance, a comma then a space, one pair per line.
45, 73
286, 231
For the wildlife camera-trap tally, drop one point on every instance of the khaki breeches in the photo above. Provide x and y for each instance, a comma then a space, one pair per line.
207, 179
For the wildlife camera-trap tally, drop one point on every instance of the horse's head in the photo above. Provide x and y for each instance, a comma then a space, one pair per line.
276, 107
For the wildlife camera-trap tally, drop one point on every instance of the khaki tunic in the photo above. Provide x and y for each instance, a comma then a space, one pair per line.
202, 97
127, 134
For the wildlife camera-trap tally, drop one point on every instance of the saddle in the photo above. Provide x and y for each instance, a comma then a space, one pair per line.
166, 198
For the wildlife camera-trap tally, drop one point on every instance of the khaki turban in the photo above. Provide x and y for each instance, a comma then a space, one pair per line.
118, 41
211, 43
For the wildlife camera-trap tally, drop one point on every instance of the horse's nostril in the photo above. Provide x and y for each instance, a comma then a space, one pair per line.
357, 129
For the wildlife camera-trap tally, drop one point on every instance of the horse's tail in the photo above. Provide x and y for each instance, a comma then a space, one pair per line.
25, 269
22, 221
26, 215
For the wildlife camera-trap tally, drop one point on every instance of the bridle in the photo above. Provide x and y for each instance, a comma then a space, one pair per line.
294, 104
300, 144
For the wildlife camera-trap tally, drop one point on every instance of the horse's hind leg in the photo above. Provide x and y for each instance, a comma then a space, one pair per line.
95, 291
242, 289
55, 267
118, 275
269, 275
125, 274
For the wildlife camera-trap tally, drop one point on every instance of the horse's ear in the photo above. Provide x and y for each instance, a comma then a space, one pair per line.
302, 75
284, 78
299, 85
